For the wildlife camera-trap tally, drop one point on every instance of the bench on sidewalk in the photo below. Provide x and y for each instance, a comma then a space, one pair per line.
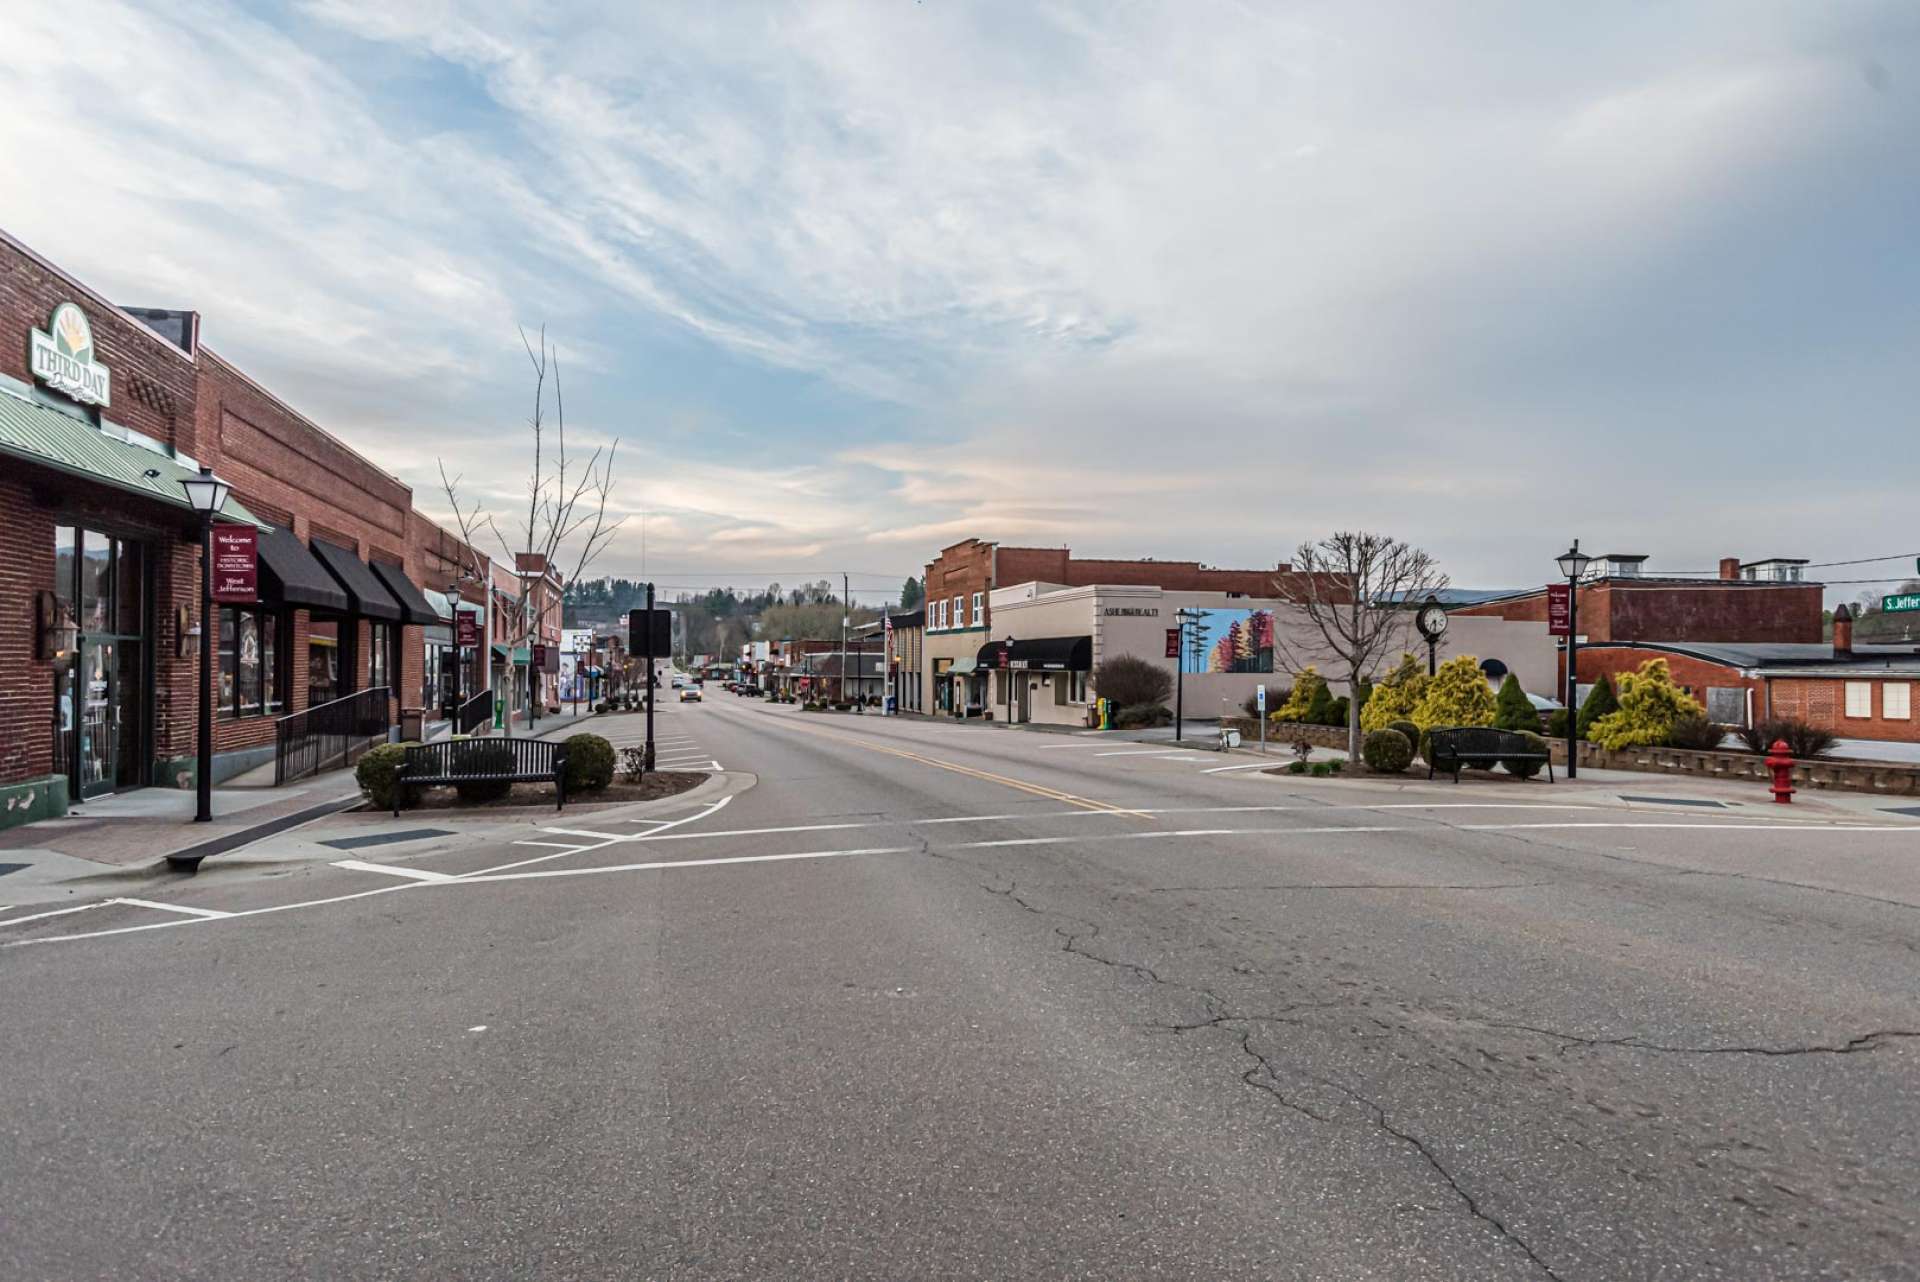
489, 760
1448, 750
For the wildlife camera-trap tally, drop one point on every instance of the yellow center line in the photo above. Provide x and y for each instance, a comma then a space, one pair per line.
1038, 790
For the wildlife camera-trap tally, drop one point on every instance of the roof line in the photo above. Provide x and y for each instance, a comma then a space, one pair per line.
95, 295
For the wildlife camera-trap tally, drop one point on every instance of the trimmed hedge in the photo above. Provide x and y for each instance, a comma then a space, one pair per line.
1411, 731
589, 763
376, 771
1386, 752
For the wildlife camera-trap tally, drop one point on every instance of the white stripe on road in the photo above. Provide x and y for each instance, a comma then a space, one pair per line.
561, 854
58, 912
588, 832
1258, 765
391, 870
562, 845
172, 908
1055, 747
749, 832
684, 863
1132, 752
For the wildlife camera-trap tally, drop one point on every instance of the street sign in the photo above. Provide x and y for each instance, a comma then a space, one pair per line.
236, 563
1900, 603
1559, 609
662, 632
539, 658
1260, 697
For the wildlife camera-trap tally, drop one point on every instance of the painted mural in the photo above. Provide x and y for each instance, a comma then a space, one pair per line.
1231, 641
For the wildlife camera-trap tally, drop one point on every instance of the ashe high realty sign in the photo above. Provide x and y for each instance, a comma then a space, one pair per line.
61, 356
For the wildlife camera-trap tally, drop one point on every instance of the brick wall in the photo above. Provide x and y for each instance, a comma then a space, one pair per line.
1695, 674
1613, 610
1821, 701
151, 382
26, 699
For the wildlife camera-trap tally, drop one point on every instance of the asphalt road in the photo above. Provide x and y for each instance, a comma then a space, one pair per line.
1018, 1005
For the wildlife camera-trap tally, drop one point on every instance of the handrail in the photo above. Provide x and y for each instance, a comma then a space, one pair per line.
474, 713
330, 734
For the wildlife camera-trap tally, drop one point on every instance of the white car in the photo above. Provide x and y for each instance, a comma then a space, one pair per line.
690, 694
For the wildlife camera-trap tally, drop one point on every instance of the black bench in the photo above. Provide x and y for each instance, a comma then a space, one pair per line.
1451, 749
458, 761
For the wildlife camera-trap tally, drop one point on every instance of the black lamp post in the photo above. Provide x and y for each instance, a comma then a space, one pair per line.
1573, 563
206, 494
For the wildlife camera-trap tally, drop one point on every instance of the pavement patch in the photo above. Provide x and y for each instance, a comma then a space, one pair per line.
387, 838
1676, 801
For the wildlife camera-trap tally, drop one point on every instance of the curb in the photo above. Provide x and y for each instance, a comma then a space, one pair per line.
188, 859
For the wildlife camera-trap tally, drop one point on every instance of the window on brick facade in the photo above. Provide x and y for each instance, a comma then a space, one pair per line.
1859, 698
377, 646
1896, 701
959, 612
979, 614
250, 667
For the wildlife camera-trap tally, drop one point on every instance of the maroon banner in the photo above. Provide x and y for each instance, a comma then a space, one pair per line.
540, 658
1559, 609
1173, 643
466, 628
236, 564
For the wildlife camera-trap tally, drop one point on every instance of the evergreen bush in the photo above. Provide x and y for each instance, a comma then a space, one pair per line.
376, 771
1456, 695
1308, 685
1395, 696
1520, 766
1411, 731
1386, 752
1650, 703
1512, 710
589, 763
1319, 706
1599, 703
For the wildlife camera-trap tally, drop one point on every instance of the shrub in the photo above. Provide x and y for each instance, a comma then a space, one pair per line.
1337, 715
1457, 695
589, 763
376, 771
1411, 731
1520, 766
1600, 702
1138, 716
1319, 706
1126, 681
1512, 710
1308, 685
1804, 742
633, 764
1557, 723
1296, 767
1395, 696
1649, 705
1336, 764
1251, 704
485, 754
1386, 752
1696, 733
599, 708
1321, 769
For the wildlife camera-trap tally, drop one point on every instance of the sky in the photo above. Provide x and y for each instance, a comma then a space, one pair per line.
850, 282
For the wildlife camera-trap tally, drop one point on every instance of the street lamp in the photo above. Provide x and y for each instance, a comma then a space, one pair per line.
206, 494
1573, 563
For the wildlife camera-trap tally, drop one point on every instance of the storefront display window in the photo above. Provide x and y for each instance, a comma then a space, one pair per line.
378, 643
250, 666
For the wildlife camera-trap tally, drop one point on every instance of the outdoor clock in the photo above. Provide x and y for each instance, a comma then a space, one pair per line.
1432, 620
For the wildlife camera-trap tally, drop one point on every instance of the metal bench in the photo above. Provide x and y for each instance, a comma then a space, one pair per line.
458, 761
1448, 750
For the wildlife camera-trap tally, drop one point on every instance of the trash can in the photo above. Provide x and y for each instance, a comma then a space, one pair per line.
412, 725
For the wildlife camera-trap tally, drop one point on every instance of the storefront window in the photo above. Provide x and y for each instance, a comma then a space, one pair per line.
249, 662
65, 549
377, 634
96, 584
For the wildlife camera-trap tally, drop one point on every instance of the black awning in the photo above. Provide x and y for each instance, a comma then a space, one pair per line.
292, 576
414, 606
1051, 654
364, 593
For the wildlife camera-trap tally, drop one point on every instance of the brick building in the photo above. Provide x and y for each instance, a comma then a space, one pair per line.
104, 411
961, 579
1855, 691
1744, 602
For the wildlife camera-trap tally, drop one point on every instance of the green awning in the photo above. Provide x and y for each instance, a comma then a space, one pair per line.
43, 435
518, 656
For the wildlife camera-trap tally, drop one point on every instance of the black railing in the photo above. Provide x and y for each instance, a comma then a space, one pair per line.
474, 713
329, 734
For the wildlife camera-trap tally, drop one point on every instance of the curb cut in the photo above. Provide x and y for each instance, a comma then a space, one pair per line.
188, 860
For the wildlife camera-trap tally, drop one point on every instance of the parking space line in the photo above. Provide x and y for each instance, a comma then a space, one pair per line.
390, 870
1257, 765
172, 908
58, 912
561, 845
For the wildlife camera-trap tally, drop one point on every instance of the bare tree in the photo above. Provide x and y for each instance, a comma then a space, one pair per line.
1356, 589
566, 515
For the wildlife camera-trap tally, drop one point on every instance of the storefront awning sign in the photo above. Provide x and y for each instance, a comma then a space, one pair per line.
62, 357
236, 564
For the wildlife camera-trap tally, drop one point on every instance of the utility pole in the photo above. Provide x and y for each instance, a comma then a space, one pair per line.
846, 617
648, 765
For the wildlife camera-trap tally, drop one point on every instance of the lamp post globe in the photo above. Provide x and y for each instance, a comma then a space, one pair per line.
206, 495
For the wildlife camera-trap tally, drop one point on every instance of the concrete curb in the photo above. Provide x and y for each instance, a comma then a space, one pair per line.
188, 860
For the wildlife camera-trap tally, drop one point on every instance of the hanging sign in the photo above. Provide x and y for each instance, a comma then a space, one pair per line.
466, 628
1173, 643
61, 356
1559, 609
236, 564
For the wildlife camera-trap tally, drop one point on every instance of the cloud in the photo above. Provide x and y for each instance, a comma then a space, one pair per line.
857, 280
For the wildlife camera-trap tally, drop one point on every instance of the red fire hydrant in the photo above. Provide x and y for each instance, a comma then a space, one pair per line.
1782, 766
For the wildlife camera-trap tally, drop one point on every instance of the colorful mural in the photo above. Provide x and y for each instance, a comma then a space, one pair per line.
1231, 641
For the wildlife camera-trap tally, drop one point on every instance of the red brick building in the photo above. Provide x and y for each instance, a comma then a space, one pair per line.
960, 580
1855, 691
1755, 601
104, 411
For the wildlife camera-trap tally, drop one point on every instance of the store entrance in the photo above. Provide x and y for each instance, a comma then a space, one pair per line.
100, 691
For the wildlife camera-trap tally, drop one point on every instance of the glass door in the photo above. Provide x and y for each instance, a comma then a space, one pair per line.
99, 708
